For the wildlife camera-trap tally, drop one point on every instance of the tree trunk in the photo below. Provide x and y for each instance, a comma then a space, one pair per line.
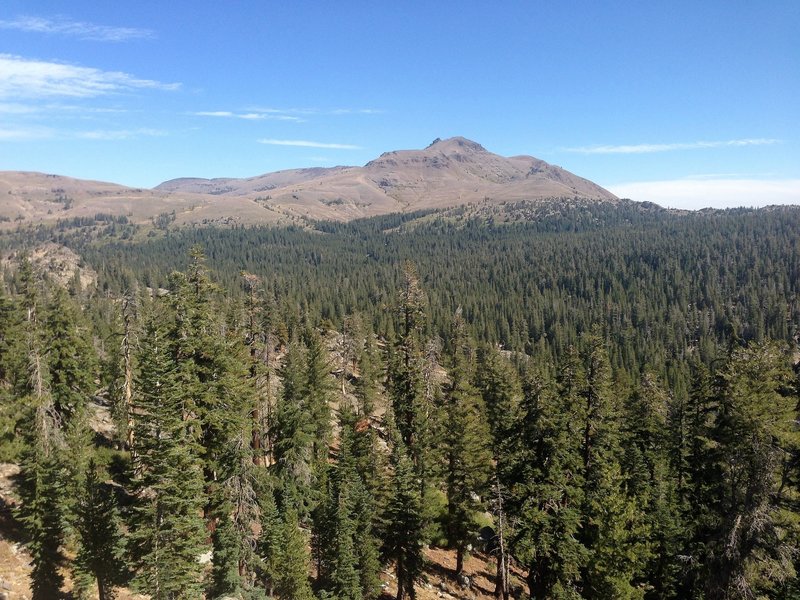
501, 587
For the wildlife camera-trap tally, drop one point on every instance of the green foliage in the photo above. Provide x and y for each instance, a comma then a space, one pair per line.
466, 447
649, 463
101, 555
292, 581
402, 543
167, 530
756, 439
544, 475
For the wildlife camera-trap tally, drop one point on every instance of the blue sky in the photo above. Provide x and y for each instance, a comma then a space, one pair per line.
681, 103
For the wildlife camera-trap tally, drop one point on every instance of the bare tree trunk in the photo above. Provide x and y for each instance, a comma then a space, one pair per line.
128, 385
501, 586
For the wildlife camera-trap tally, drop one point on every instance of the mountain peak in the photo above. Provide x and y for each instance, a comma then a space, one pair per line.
450, 172
455, 143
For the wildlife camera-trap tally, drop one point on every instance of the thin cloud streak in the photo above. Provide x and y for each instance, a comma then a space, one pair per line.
308, 144
23, 134
119, 134
78, 29
23, 78
651, 148
318, 111
249, 116
694, 194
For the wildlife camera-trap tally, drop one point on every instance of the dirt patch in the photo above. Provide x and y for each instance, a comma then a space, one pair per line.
439, 580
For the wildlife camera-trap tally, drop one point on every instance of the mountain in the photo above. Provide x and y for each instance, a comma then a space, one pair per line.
447, 173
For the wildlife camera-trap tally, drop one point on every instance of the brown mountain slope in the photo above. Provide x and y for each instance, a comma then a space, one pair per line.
27, 197
447, 173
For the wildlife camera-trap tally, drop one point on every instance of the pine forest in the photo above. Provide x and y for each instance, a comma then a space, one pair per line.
599, 400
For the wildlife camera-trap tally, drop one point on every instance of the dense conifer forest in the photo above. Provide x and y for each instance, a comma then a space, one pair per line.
601, 398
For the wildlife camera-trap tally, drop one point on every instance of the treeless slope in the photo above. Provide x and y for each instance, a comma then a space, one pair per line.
29, 197
447, 173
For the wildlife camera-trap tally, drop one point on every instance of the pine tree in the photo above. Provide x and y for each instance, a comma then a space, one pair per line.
545, 479
294, 434
292, 581
404, 524
225, 576
269, 545
213, 378
466, 447
100, 555
70, 356
612, 529
167, 530
72, 365
651, 481
366, 544
42, 510
499, 387
345, 519
12, 344
406, 379
755, 437
318, 388
42, 514
344, 574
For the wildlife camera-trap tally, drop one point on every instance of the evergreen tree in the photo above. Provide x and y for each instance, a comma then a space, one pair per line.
756, 435
406, 380
213, 378
167, 530
499, 387
70, 356
317, 389
292, 581
466, 447
344, 574
270, 540
345, 521
365, 542
546, 482
404, 524
100, 555
294, 434
42, 514
42, 510
12, 345
649, 474
612, 529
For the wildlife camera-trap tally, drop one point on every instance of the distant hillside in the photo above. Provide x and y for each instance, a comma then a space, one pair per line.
447, 173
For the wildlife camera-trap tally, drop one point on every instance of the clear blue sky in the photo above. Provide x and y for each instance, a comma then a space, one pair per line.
684, 103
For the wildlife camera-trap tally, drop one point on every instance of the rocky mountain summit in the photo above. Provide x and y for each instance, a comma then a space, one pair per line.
447, 173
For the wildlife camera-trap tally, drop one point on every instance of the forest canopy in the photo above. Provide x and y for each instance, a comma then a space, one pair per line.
611, 391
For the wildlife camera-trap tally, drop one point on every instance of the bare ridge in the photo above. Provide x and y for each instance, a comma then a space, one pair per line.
447, 173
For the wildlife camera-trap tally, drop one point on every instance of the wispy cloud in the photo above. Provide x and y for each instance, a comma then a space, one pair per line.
78, 29
650, 148
27, 134
22, 78
249, 116
309, 111
357, 111
308, 144
717, 193
24, 110
118, 134
16, 109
